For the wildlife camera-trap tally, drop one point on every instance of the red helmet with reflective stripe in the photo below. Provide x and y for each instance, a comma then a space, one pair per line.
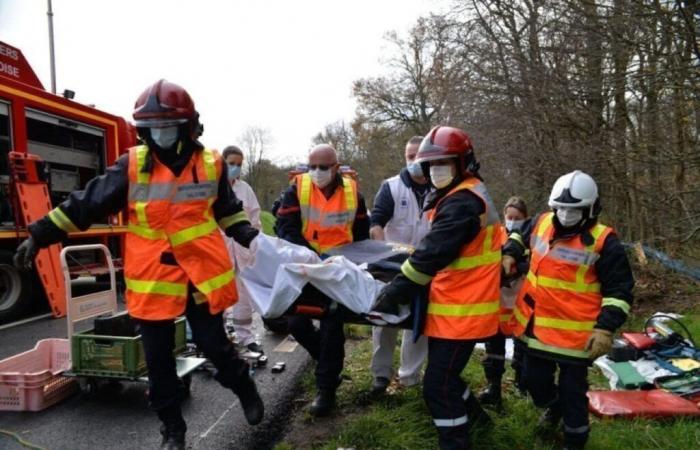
164, 104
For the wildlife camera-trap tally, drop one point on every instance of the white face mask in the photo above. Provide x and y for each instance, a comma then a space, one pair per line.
164, 137
441, 176
321, 178
568, 217
513, 225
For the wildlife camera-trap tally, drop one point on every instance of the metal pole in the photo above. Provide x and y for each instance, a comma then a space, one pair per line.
49, 13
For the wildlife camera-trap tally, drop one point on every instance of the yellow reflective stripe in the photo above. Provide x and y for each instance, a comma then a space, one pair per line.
504, 317
61, 220
563, 324
156, 287
140, 208
488, 240
209, 164
146, 233
537, 345
544, 224
191, 233
350, 198
522, 320
469, 262
473, 309
578, 286
141, 177
517, 238
216, 282
304, 194
597, 231
412, 274
611, 301
233, 219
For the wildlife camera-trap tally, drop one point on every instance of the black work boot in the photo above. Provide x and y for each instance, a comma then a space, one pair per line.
491, 395
478, 418
323, 404
173, 438
379, 386
548, 424
253, 407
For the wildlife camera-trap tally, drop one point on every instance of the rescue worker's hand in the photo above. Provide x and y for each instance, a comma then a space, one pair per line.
24, 257
243, 233
599, 343
401, 290
508, 263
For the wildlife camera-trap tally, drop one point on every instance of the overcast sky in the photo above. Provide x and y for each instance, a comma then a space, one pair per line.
284, 65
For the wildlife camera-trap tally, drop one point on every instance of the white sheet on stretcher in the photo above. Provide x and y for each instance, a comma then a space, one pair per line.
272, 272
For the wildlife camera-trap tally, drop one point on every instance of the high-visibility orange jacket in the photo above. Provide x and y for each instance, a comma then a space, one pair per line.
326, 222
464, 297
561, 295
173, 238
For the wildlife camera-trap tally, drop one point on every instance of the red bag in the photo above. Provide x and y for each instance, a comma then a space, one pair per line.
640, 341
650, 404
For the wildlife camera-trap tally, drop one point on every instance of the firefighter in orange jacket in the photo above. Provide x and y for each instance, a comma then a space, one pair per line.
460, 258
177, 196
577, 292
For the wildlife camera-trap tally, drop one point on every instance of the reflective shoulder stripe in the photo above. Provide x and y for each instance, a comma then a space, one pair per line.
412, 274
216, 282
145, 232
61, 220
517, 238
472, 309
156, 287
141, 177
445, 423
611, 301
191, 233
522, 320
233, 219
350, 194
209, 159
562, 324
544, 224
304, 191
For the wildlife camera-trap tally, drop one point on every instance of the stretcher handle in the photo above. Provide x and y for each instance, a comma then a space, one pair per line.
309, 310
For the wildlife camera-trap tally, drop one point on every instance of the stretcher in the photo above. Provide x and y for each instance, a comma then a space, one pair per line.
99, 359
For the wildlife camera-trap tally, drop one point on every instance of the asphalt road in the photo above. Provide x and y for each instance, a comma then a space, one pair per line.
118, 417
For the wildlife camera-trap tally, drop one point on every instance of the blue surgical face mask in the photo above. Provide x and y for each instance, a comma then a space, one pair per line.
164, 137
414, 169
234, 172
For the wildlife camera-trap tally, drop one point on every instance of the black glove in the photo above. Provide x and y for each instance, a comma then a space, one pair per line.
24, 257
243, 233
401, 290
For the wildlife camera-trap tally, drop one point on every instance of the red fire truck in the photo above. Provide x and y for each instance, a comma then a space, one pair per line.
49, 146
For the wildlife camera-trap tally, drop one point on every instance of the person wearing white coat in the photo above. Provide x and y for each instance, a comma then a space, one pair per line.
397, 216
240, 316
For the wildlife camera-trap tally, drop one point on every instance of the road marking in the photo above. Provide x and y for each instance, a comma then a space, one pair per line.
288, 345
206, 433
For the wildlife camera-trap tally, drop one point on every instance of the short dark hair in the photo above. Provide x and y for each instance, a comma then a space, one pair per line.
231, 150
415, 140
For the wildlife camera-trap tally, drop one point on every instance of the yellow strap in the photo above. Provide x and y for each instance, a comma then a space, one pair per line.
156, 287
578, 286
146, 233
472, 309
191, 233
517, 238
209, 164
562, 324
141, 178
233, 219
61, 220
488, 240
216, 282
470, 262
412, 274
611, 301
350, 203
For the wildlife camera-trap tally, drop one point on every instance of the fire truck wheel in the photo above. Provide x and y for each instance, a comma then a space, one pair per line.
15, 287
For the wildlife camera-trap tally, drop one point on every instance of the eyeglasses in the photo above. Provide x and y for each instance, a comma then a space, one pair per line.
320, 166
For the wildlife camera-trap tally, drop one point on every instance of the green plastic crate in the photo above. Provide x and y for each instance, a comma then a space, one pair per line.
115, 356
